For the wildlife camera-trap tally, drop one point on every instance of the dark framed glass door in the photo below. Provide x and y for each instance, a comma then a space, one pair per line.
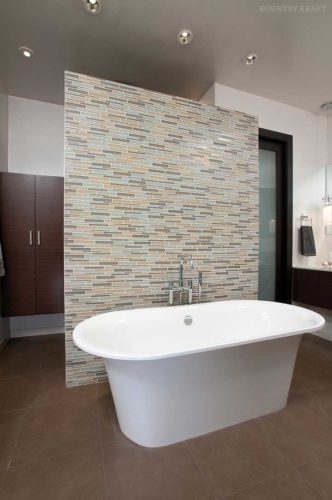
275, 217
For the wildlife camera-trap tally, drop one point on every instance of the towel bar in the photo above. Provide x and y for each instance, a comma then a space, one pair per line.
305, 220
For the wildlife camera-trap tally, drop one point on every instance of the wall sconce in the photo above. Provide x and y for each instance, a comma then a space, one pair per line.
327, 216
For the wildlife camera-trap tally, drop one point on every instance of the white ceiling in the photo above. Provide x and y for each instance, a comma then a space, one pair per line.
134, 41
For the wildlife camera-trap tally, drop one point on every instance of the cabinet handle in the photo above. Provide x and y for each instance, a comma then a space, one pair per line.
38, 238
31, 237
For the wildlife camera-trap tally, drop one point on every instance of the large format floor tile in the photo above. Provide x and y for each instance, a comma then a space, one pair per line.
299, 432
319, 401
168, 473
99, 391
43, 358
32, 378
313, 369
52, 389
19, 393
3, 473
31, 346
19, 365
288, 486
318, 473
56, 429
108, 425
74, 476
59, 443
236, 457
10, 423
45, 388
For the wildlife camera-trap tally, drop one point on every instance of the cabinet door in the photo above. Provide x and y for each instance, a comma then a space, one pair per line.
18, 244
49, 245
313, 287
325, 289
306, 286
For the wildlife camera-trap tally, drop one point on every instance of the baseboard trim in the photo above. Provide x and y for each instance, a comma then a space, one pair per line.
32, 332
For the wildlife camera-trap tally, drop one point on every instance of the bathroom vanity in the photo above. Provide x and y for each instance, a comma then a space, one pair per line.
313, 286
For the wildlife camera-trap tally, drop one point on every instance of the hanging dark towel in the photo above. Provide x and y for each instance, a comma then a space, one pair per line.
308, 247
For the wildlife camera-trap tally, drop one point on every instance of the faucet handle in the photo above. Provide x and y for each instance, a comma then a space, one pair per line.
184, 259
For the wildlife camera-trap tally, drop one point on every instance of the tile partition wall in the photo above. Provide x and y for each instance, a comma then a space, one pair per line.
150, 177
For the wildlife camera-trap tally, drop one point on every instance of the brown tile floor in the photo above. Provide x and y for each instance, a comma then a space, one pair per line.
65, 444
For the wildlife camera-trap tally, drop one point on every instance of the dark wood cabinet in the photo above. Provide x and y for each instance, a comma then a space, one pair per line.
49, 244
32, 244
313, 287
17, 221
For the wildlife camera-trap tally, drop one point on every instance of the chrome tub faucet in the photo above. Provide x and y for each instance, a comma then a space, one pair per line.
179, 287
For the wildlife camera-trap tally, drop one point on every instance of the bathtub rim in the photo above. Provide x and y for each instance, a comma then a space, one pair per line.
78, 337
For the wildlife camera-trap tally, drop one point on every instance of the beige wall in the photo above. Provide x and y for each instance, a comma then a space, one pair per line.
35, 137
309, 133
35, 146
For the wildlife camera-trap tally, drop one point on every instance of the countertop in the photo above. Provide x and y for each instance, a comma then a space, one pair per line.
313, 267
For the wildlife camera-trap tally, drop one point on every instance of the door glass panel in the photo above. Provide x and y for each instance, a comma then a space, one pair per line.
267, 225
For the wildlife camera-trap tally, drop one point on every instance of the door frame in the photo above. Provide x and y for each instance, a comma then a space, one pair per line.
284, 212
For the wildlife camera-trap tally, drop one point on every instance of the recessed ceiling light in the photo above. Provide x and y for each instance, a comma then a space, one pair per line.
93, 6
26, 52
185, 37
250, 59
326, 107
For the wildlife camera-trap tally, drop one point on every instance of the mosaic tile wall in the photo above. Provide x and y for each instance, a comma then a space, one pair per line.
150, 177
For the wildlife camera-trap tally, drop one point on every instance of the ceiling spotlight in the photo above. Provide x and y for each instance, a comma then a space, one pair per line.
250, 59
185, 37
93, 6
326, 107
26, 52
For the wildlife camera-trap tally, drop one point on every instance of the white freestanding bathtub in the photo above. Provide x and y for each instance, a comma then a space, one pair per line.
172, 381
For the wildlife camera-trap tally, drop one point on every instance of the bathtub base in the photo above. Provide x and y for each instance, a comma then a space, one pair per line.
160, 402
